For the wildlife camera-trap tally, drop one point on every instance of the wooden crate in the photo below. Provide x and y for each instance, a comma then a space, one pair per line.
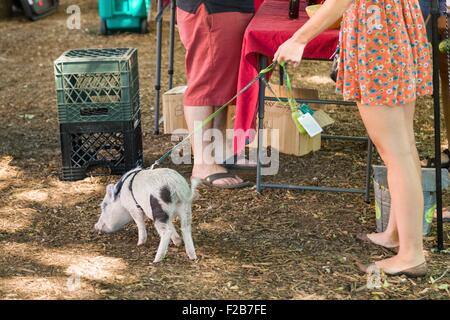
173, 110
298, 93
279, 117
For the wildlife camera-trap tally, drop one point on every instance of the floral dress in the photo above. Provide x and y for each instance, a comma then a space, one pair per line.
385, 57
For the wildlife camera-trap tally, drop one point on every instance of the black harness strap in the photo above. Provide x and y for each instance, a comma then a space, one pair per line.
130, 187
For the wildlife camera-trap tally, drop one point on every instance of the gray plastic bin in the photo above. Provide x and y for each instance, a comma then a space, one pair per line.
383, 198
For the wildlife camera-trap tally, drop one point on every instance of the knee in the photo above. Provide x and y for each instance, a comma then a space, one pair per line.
395, 154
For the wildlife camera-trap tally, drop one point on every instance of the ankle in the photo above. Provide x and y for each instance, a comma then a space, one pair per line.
412, 262
392, 236
411, 256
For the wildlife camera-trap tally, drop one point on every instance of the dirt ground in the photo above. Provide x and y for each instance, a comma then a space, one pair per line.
274, 245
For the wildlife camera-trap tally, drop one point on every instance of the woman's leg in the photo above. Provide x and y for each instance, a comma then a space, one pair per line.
408, 113
390, 130
389, 238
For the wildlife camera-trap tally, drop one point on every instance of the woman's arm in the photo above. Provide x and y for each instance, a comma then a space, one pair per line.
329, 13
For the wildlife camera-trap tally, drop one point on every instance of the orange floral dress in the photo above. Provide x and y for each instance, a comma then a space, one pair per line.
385, 57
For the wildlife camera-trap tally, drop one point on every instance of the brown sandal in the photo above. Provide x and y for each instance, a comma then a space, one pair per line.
364, 238
414, 272
209, 181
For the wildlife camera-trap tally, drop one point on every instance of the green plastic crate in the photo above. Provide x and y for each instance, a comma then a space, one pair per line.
97, 85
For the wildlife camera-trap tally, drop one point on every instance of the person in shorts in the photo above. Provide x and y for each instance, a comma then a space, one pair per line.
212, 33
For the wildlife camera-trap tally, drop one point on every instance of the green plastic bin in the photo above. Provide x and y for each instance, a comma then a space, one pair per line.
118, 15
96, 85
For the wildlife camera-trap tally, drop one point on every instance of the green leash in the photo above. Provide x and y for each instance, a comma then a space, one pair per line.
296, 111
261, 74
295, 108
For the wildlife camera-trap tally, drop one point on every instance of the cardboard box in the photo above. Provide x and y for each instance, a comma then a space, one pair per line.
298, 93
302, 93
279, 117
173, 110
290, 140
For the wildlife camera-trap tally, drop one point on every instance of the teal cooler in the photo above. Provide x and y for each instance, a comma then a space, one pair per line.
383, 198
128, 15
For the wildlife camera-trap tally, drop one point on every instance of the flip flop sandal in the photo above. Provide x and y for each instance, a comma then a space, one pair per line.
209, 181
431, 163
364, 238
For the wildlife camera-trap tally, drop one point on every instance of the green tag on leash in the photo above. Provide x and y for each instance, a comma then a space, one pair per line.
306, 109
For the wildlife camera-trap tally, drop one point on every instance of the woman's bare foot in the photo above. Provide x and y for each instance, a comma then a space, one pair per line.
384, 239
203, 171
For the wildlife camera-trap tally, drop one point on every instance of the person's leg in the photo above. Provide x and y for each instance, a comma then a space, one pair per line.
211, 74
204, 163
220, 123
389, 129
389, 238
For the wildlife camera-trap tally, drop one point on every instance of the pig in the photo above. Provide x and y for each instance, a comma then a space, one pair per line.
161, 195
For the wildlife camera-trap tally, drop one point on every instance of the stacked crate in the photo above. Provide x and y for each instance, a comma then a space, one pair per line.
98, 110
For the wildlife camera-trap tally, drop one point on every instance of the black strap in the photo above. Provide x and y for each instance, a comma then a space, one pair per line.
132, 193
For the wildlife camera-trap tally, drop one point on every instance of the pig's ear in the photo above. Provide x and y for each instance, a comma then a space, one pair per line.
110, 191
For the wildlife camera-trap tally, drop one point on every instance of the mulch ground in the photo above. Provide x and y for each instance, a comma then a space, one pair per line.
275, 245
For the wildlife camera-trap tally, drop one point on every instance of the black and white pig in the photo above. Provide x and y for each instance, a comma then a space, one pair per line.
161, 195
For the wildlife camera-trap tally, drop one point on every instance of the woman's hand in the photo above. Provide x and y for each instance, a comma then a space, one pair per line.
290, 52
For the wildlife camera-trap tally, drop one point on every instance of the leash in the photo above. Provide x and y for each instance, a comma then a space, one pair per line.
261, 75
296, 112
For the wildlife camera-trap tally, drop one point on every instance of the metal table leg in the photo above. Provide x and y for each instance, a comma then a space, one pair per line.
170, 70
159, 21
262, 88
437, 123
259, 182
